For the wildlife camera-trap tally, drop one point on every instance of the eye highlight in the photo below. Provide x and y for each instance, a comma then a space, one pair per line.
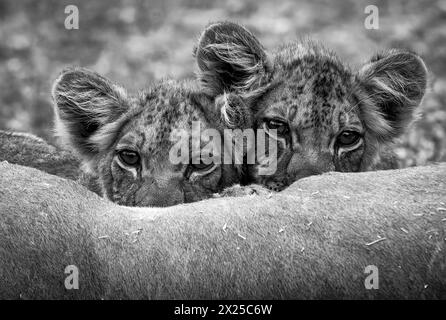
348, 138
129, 157
280, 126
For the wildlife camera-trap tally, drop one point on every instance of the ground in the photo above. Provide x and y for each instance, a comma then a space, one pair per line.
135, 42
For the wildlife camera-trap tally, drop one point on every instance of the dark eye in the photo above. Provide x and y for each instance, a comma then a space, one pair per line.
281, 127
128, 157
348, 138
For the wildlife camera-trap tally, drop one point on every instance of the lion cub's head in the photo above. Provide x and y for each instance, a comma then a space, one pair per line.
327, 117
126, 141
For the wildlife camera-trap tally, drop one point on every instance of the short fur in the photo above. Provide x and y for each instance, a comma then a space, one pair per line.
29, 150
317, 97
97, 119
308, 242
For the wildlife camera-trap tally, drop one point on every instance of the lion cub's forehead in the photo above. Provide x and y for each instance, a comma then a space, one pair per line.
160, 110
312, 89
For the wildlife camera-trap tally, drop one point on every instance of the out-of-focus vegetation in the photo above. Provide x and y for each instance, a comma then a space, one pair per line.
135, 42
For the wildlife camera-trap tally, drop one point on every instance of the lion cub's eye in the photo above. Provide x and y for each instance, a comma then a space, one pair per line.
129, 157
281, 127
348, 138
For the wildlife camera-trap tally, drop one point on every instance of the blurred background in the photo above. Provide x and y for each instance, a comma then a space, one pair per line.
135, 42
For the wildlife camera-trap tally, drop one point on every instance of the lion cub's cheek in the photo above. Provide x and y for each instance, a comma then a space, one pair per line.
123, 182
350, 161
203, 187
211, 180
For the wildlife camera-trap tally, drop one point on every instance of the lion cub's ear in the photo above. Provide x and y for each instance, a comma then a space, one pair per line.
87, 107
230, 58
395, 82
235, 114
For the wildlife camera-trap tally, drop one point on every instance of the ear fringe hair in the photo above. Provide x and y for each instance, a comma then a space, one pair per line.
230, 58
234, 113
373, 118
83, 92
80, 95
253, 72
226, 112
395, 80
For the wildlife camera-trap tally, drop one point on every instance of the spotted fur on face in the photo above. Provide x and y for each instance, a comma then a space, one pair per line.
327, 116
124, 141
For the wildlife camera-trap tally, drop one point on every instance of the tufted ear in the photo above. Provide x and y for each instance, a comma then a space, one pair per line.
395, 82
230, 58
235, 114
87, 109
